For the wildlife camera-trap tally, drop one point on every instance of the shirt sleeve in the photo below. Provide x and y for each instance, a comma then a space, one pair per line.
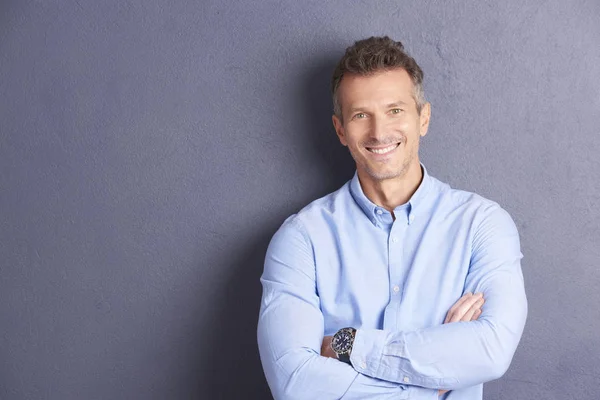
460, 354
290, 330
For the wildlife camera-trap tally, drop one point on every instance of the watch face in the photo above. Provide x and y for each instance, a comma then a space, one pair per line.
342, 341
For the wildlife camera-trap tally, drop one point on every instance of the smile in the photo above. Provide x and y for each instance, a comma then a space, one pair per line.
384, 150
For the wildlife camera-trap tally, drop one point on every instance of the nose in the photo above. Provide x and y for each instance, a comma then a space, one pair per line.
377, 128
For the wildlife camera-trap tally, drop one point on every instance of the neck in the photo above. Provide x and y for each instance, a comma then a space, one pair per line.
393, 192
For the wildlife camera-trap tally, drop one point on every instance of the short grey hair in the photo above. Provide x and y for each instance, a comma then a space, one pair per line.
372, 55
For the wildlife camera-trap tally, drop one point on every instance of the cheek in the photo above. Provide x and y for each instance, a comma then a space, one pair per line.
353, 137
403, 125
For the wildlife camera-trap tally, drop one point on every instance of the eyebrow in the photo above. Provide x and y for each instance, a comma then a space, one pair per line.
397, 104
391, 105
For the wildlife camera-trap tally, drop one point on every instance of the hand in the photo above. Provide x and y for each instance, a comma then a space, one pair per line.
467, 308
326, 350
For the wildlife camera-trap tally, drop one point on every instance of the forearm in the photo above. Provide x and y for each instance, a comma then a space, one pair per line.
296, 371
449, 356
455, 355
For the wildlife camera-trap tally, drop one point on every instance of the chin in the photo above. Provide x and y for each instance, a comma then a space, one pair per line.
384, 175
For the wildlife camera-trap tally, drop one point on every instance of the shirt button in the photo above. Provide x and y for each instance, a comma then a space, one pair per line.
396, 289
363, 365
411, 218
394, 239
406, 379
379, 212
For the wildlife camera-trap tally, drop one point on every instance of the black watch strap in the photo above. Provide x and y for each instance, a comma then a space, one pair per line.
344, 357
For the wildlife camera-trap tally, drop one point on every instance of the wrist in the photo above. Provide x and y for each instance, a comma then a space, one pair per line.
342, 343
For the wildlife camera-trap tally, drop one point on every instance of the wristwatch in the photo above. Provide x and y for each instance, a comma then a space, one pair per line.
342, 343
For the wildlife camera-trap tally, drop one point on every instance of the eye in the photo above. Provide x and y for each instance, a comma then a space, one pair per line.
396, 110
359, 116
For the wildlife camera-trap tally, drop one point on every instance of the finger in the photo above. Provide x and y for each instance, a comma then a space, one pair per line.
456, 305
464, 307
477, 314
468, 316
460, 307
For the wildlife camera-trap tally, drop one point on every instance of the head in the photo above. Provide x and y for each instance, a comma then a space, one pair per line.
380, 111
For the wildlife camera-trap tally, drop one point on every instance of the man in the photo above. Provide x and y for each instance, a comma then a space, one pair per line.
376, 291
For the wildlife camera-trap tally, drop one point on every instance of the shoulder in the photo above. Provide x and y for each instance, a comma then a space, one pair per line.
487, 219
478, 206
320, 211
461, 198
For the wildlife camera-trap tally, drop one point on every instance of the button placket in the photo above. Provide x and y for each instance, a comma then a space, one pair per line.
396, 268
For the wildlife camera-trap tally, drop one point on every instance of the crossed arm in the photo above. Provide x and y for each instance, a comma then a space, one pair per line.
466, 309
445, 357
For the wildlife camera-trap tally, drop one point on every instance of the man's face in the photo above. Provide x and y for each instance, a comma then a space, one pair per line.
381, 125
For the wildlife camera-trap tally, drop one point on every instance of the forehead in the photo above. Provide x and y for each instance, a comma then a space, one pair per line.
380, 88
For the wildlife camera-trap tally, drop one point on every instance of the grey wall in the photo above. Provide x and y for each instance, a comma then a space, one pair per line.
149, 150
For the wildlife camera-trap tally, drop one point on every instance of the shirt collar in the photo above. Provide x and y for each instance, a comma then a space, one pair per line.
414, 203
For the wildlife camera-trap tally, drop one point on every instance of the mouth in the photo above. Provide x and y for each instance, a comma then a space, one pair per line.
383, 150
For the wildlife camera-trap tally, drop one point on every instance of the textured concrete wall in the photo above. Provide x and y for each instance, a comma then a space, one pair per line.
149, 149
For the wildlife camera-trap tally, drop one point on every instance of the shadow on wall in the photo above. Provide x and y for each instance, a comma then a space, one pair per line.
335, 161
233, 369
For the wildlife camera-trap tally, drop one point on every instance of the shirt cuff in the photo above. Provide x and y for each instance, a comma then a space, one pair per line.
367, 350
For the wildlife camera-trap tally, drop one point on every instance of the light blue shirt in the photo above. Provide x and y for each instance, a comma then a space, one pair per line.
343, 261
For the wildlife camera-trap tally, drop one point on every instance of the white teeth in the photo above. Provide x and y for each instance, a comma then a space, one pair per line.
384, 150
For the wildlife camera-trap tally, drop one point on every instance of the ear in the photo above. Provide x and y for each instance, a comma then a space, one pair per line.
424, 118
339, 129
